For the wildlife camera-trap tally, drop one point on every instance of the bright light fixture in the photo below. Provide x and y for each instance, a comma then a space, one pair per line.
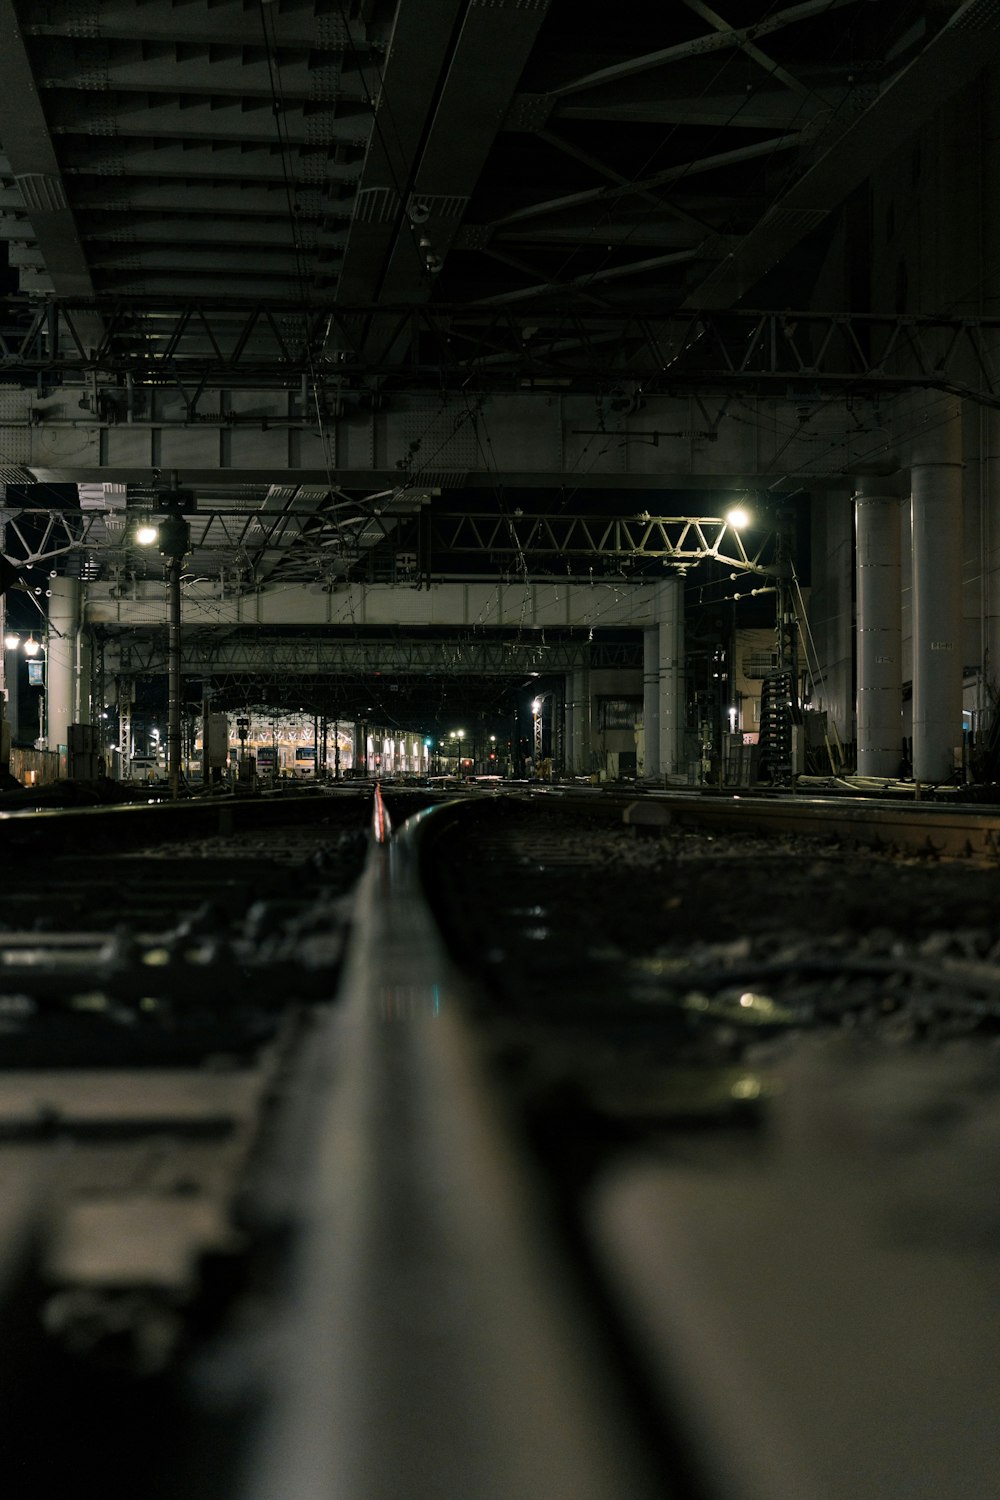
536, 706
11, 641
737, 517
31, 646
146, 535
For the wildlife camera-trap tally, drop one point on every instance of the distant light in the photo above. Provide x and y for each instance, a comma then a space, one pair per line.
146, 535
738, 517
31, 646
11, 641
536, 705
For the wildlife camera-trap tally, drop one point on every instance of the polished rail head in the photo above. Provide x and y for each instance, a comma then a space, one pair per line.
381, 822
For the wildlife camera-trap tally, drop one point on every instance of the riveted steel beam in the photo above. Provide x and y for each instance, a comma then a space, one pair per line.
278, 656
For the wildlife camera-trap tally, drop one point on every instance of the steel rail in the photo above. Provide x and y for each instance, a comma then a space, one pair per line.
912, 827
433, 1343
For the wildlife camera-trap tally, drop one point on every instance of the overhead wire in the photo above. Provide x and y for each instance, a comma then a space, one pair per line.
284, 145
332, 512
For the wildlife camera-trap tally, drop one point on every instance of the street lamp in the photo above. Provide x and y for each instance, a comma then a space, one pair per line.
737, 517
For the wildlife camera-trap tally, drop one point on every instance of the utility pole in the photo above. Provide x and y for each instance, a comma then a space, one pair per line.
174, 543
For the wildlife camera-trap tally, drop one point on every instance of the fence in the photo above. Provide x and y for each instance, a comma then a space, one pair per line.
36, 767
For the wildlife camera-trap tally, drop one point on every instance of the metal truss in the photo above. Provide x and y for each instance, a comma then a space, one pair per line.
281, 657
229, 535
314, 547
56, 534
680, 541
197, 345
62, 532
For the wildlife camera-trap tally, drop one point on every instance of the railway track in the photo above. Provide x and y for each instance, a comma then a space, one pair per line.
631, 1159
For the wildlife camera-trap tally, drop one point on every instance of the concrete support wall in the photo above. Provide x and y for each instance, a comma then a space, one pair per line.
879, 631
670, 608
362, 749
988, 486
651, 701
936, 524
989, 556
577, 719
608, 745
61, 661
934, 244
831, 611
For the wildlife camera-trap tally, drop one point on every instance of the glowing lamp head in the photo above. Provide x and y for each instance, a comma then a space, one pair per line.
31, 646
11, 641
536, 705
737, 517
146, 535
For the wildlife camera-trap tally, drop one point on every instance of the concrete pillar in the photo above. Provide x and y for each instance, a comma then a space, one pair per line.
936, 523
986, 278
670, 609
990, 501
361, 748
578, 723
879, 630
830, 647
651, 699
61, 660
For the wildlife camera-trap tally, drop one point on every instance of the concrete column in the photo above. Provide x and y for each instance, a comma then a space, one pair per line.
831, 610
61, 660
879, 630
936, 522
990, 501
988, 278
361, 748
670, 609
578, 723
651, 699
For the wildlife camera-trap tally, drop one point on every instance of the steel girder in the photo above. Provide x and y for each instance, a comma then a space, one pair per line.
565, 607
622, 438
280, 656
206, 345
